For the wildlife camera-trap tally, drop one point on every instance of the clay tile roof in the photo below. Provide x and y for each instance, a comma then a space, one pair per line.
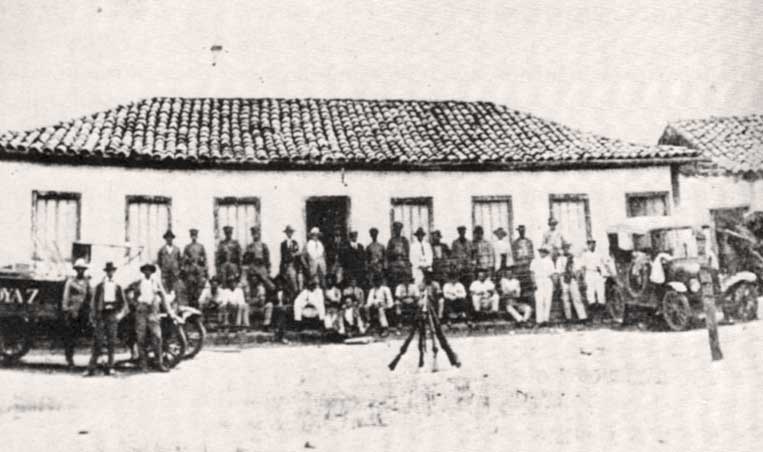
730, 145
319, 132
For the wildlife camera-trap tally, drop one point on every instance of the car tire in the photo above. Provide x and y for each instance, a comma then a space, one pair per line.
174, 345
15, 339
744, 301
676, 310
616, 305
195, 334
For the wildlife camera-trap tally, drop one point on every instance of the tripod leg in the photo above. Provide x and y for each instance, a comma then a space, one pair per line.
403, 349
422, 340
452, 357
434, 341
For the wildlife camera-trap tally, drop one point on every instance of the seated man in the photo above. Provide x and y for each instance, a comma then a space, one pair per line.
453, 298
311, 297
258, 298
352, 300
379, 301
431, 293
234, 299
484, 296
211, 299
407, 296
334, 319
511, 290
276, 307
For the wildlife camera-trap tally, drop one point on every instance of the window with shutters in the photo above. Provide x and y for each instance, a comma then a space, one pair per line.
55, 224
644, 204
240, 213
492, 212
573, 213
413, 213
147, 219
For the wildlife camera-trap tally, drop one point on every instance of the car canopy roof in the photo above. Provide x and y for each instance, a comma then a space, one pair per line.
643, 225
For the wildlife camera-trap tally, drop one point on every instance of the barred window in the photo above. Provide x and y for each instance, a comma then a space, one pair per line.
647, 204
573, 213
55, 224
240, 213
492, 212
413, 213
147, 219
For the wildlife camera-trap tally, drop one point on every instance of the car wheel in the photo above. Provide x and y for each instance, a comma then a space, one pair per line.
15, 339
195, 334
676, 310
616, 305
173, 345
744, 301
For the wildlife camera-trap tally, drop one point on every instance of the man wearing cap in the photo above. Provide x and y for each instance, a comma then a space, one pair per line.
454, 298
256, 261
440, 257
484, 253
398, 256
567, 267
290, 260
462, 256
522, 247
553, 238
169, 260
483, 293
77, 295
149, 298
543, 271
502, 246
421, 256
228, 256
595, 271
376, 258
194, 268
108, 307
352, 259
314, 258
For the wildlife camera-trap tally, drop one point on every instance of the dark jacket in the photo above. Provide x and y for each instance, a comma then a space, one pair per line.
100, 308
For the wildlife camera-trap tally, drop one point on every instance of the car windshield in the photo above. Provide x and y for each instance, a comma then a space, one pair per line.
679, 243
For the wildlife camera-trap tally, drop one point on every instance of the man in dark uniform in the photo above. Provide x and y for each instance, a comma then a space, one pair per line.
376, 258
290, 260
256, 260
169, 261
398, 256
440, 257
352, 258
77, 295
108, 307
228, 256
194, 268
524, 254
462, 256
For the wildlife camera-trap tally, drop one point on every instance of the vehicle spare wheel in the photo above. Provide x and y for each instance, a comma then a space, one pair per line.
616, 304
15, 339
743, 299
676, 310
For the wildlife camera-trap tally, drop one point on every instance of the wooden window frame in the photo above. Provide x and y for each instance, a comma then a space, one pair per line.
414, 201
495, 198
146, 199
573, 197
647, 194
60, 195
233, 201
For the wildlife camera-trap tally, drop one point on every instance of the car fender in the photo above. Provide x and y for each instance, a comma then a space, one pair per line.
678, 286
188, 312
736, 278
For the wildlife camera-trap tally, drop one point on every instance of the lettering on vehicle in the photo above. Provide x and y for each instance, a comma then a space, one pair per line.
18, 296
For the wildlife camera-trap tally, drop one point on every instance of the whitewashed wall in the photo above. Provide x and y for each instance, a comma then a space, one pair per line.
283, 196
699, 194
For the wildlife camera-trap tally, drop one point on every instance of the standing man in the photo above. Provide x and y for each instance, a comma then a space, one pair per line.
77, 295
194, 268
256, 261
502, 246
523, 257
462, 255
543, 274
352, 258
398, 256
595, 271
314, 258
169, 260
150, 298
228, 256
440, 257
290, 260
421, 257
108, 307
376, 258
484, 254
553, 238
568, 268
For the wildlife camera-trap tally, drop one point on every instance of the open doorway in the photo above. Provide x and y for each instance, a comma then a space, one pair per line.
330, 214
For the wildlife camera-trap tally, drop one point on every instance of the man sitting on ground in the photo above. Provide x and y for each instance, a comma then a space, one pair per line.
484, 296
379, 301
234, 300
510, 292
334, 319
453, 298
312, 297
352, 299
211, 299
407, 295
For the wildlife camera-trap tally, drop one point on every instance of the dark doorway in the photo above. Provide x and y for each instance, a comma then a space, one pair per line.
331, 215
726, 246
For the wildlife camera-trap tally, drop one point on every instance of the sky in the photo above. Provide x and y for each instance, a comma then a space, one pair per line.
618, 68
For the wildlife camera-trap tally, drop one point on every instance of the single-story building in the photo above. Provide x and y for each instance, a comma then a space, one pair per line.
728, 181
129, 173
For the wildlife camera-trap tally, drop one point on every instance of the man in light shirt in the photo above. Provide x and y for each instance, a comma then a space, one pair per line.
421, 256
502, 247
108, 307
511, 291
594, 268
312, 295
379, 301
149, 299
553, 238
484, 296
543, 270
211, 297
407, 296
314, 258
567, 268
233, 298
454, 298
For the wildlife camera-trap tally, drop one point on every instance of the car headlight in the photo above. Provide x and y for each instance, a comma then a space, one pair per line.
694, 285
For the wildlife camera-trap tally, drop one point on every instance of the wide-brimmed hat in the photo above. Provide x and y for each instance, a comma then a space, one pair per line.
227, 228
193, 231
436, 232
148, 267
543, 249
461, 228
478, 230
288, 229
352, 232
500, 231
566, 244
590, 241
552, 220
169, 234
80, 263
315, 231
109, 267
397, 224
420, 232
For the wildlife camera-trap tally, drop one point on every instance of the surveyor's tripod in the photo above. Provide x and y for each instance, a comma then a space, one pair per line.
426, 320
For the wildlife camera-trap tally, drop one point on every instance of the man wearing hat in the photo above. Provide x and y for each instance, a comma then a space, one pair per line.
108, 307
77, 295
376, 258
502, 246
421, 256
595, 270
398, 256
256, 261
290, 260
484, 253
228, 256
314, 258
149, 299
169, 260
543, 272
352, 258
568, 268
440, 257
194, 268
553, 238
523, 256
462, 257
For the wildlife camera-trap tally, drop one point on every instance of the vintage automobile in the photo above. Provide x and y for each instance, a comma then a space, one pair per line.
665, 264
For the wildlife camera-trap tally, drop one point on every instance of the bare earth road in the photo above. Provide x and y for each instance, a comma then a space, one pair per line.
579, 391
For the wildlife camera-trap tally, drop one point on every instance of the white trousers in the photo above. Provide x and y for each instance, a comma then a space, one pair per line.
571, 290
300, 305
595, 292
486, 304
543, 296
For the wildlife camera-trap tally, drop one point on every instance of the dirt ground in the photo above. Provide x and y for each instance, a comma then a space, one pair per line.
578, 391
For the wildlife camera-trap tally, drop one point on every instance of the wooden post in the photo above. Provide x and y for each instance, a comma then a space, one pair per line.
708, 301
